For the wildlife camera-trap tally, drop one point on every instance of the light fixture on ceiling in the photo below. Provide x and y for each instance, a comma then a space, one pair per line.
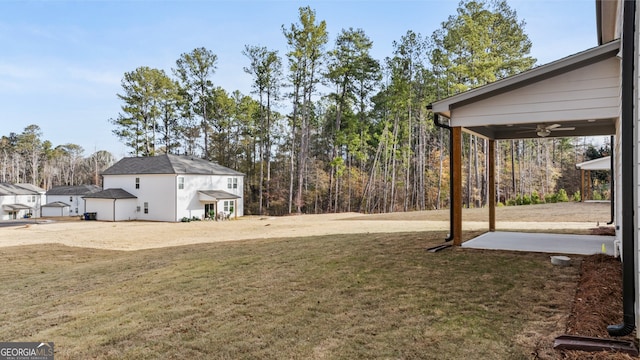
543, 132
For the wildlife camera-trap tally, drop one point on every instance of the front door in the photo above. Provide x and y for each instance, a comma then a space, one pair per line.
208, 210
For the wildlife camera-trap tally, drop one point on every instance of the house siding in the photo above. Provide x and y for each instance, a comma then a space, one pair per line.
590, 92
21, 199
155, 190
188, 199
55, 211
112, 209
76, 202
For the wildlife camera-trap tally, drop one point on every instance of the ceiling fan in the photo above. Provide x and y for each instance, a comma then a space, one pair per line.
544, 130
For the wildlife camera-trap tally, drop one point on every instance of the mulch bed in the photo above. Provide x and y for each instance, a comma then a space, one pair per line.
597, 304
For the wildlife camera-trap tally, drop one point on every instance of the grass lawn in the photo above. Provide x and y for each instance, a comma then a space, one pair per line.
332, 297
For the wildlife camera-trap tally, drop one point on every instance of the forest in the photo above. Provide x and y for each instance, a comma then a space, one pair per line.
327, 127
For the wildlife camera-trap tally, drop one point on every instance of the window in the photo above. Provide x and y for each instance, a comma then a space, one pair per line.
232, 183
180, 183
228, 206
76, 210
146, 208
71, 198
137, 208
137, 183
33, 198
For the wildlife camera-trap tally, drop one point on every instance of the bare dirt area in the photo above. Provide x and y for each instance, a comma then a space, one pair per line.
136, 235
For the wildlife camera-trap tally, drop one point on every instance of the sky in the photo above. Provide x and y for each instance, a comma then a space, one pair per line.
63, 61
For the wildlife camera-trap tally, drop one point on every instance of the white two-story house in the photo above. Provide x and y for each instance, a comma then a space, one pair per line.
19, 201
167, 188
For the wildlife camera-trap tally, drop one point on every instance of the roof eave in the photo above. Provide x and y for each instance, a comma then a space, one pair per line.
444, 106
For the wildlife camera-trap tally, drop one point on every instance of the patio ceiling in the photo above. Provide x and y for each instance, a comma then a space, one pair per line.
587, 127
575, 96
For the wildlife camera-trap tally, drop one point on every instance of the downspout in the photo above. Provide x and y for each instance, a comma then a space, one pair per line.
114, 210
436, 121
628, 176
612, 183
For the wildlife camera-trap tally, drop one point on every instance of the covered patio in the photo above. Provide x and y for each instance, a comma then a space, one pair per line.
575, 96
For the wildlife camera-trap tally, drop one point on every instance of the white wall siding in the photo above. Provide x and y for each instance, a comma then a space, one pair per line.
55, 211
74, 201
590, 92
103, 209
34, 201
156, 190
189, 204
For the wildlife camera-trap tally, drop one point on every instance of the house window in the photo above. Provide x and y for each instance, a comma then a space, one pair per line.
146, 208
137, 183
180, 183
33, 198
232, 183
137, 208
228, 206
71, 198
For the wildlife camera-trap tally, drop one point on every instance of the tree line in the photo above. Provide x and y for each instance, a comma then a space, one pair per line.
329, 128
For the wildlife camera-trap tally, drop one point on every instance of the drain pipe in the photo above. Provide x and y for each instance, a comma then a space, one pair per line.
436, 121
628, 176
612, 183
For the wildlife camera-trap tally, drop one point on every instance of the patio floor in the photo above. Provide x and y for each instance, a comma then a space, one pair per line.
542, 242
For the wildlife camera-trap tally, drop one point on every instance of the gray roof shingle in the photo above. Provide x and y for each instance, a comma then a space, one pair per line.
111, 194
12, 189
168, 164
74, 190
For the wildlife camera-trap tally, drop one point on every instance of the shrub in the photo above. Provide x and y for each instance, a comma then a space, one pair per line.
576, 196
597, 195
526, 200
562, 196
185, 219
499, 204
535, 198
551, 198
518, 200
511, 202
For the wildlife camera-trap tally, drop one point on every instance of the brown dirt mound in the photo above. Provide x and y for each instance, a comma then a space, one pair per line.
597, 304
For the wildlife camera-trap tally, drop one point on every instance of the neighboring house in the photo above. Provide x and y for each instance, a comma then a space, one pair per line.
167, 188
594, 92
19, 201
71, 196
56, 208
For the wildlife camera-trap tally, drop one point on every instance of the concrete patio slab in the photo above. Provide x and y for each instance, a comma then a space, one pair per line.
543, 242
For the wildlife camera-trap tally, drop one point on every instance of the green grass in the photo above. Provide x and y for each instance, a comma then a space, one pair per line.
334, 297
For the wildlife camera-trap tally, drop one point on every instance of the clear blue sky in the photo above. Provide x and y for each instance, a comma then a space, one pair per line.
62, 61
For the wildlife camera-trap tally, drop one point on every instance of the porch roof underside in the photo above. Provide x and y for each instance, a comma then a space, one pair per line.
15, 207
578, 95
215, 195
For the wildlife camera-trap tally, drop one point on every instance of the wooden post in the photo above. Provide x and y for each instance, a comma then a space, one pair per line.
581, 185
492, 185
456, 173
